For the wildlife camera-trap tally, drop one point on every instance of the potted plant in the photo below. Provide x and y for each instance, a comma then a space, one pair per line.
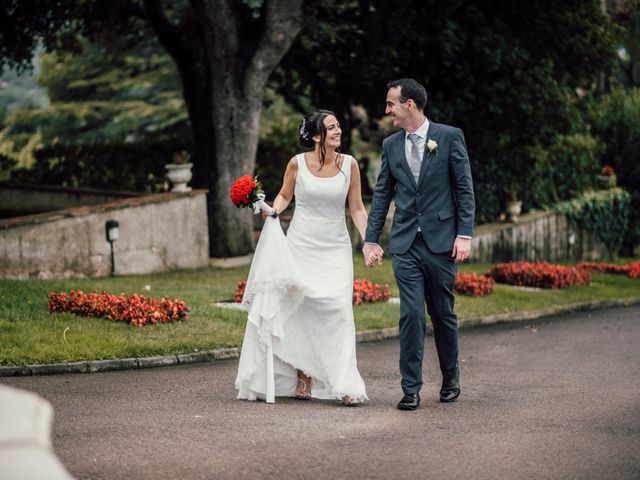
607, 178
179, 172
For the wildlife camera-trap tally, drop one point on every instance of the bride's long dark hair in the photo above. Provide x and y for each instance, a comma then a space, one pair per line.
312, 125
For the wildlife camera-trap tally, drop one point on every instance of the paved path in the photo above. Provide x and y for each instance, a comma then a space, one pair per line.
555, 399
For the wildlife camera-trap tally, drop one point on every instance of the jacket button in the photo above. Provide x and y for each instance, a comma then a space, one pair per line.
418, 194
419, 214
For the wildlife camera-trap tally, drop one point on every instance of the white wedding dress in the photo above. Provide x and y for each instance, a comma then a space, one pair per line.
299, 298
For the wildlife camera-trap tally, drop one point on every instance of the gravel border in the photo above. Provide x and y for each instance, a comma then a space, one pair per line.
221, 354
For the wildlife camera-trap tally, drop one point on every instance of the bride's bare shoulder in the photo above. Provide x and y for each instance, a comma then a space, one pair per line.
293, 163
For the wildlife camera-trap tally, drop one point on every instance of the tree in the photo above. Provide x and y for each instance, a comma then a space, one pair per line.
506, 72
224, 50
113, 122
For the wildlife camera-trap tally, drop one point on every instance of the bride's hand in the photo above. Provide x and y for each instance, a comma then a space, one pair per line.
265, 215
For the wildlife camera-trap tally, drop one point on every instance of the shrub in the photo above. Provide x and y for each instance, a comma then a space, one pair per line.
135, 167
605, 213
563, 170
615, 120
540, 274
474, 285
136, 309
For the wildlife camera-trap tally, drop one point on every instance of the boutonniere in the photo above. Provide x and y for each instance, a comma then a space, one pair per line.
431, 147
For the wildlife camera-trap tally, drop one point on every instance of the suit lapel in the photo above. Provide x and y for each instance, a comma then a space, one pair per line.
433, 133
401, 153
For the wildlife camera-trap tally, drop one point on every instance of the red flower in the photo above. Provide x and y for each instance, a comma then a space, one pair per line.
365, 291
240, 291
540, 274
631, 270
473, 285
607, 171
137, 309
244, 191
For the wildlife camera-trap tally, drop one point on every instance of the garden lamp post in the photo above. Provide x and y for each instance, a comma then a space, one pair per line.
112, 229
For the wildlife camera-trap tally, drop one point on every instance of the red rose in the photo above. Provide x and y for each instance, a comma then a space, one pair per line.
244, 191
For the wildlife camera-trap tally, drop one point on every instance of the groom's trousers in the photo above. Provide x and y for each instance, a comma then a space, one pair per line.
424, 276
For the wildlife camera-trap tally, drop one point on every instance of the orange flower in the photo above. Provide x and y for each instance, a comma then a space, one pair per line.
607, 171
539, 274
137, 309
473, 285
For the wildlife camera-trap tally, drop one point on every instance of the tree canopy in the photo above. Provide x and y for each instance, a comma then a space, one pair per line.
224, 51
512, 75
508, 73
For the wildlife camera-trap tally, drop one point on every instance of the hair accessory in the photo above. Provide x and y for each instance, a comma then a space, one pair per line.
303, 132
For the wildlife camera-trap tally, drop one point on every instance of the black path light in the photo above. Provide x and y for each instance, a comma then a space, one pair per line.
112, 229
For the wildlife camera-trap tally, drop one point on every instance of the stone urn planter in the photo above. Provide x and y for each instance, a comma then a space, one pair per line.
514, 209
179, 175
179, 172
606, 181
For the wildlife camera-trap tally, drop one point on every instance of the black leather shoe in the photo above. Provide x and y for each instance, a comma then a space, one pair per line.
409, 402
450, 390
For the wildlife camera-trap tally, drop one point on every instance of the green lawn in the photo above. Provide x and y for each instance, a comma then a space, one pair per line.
29, 334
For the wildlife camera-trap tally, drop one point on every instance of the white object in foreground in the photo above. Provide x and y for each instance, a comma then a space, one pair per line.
25, 438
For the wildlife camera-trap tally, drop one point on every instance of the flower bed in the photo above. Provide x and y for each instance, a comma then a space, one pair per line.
365, 291
632, 270
242, 284
136, 309
602, 267
474, 285
539, 274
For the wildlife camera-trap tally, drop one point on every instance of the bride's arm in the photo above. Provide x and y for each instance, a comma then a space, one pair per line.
356, 207
283, 199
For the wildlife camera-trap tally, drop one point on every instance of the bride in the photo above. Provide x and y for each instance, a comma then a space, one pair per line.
300, 337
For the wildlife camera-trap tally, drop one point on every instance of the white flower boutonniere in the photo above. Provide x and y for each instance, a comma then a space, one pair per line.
432, 147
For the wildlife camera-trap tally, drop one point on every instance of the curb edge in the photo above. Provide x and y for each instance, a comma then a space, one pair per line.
221, 354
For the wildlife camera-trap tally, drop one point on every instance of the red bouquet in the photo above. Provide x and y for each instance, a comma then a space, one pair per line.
245, 190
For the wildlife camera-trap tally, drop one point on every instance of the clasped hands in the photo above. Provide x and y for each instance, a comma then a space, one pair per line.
372, 254
460, 251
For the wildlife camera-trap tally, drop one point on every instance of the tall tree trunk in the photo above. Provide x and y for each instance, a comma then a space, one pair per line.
224, 78
231, 228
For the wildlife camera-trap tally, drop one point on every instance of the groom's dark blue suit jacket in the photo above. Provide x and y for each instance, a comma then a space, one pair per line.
442, 203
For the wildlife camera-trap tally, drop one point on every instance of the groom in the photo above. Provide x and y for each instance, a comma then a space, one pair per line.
425, 170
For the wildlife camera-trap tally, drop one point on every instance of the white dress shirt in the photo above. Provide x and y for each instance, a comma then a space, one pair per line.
422, 139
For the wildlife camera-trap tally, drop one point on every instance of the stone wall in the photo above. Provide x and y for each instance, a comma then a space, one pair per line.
23, 199
537, 236
157, 233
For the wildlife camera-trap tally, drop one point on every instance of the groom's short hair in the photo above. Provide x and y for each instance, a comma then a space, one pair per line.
410, 89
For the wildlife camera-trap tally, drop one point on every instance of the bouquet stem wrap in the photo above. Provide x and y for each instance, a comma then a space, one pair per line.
260, 204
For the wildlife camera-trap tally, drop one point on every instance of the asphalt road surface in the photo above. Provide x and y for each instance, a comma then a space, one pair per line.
556, 399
